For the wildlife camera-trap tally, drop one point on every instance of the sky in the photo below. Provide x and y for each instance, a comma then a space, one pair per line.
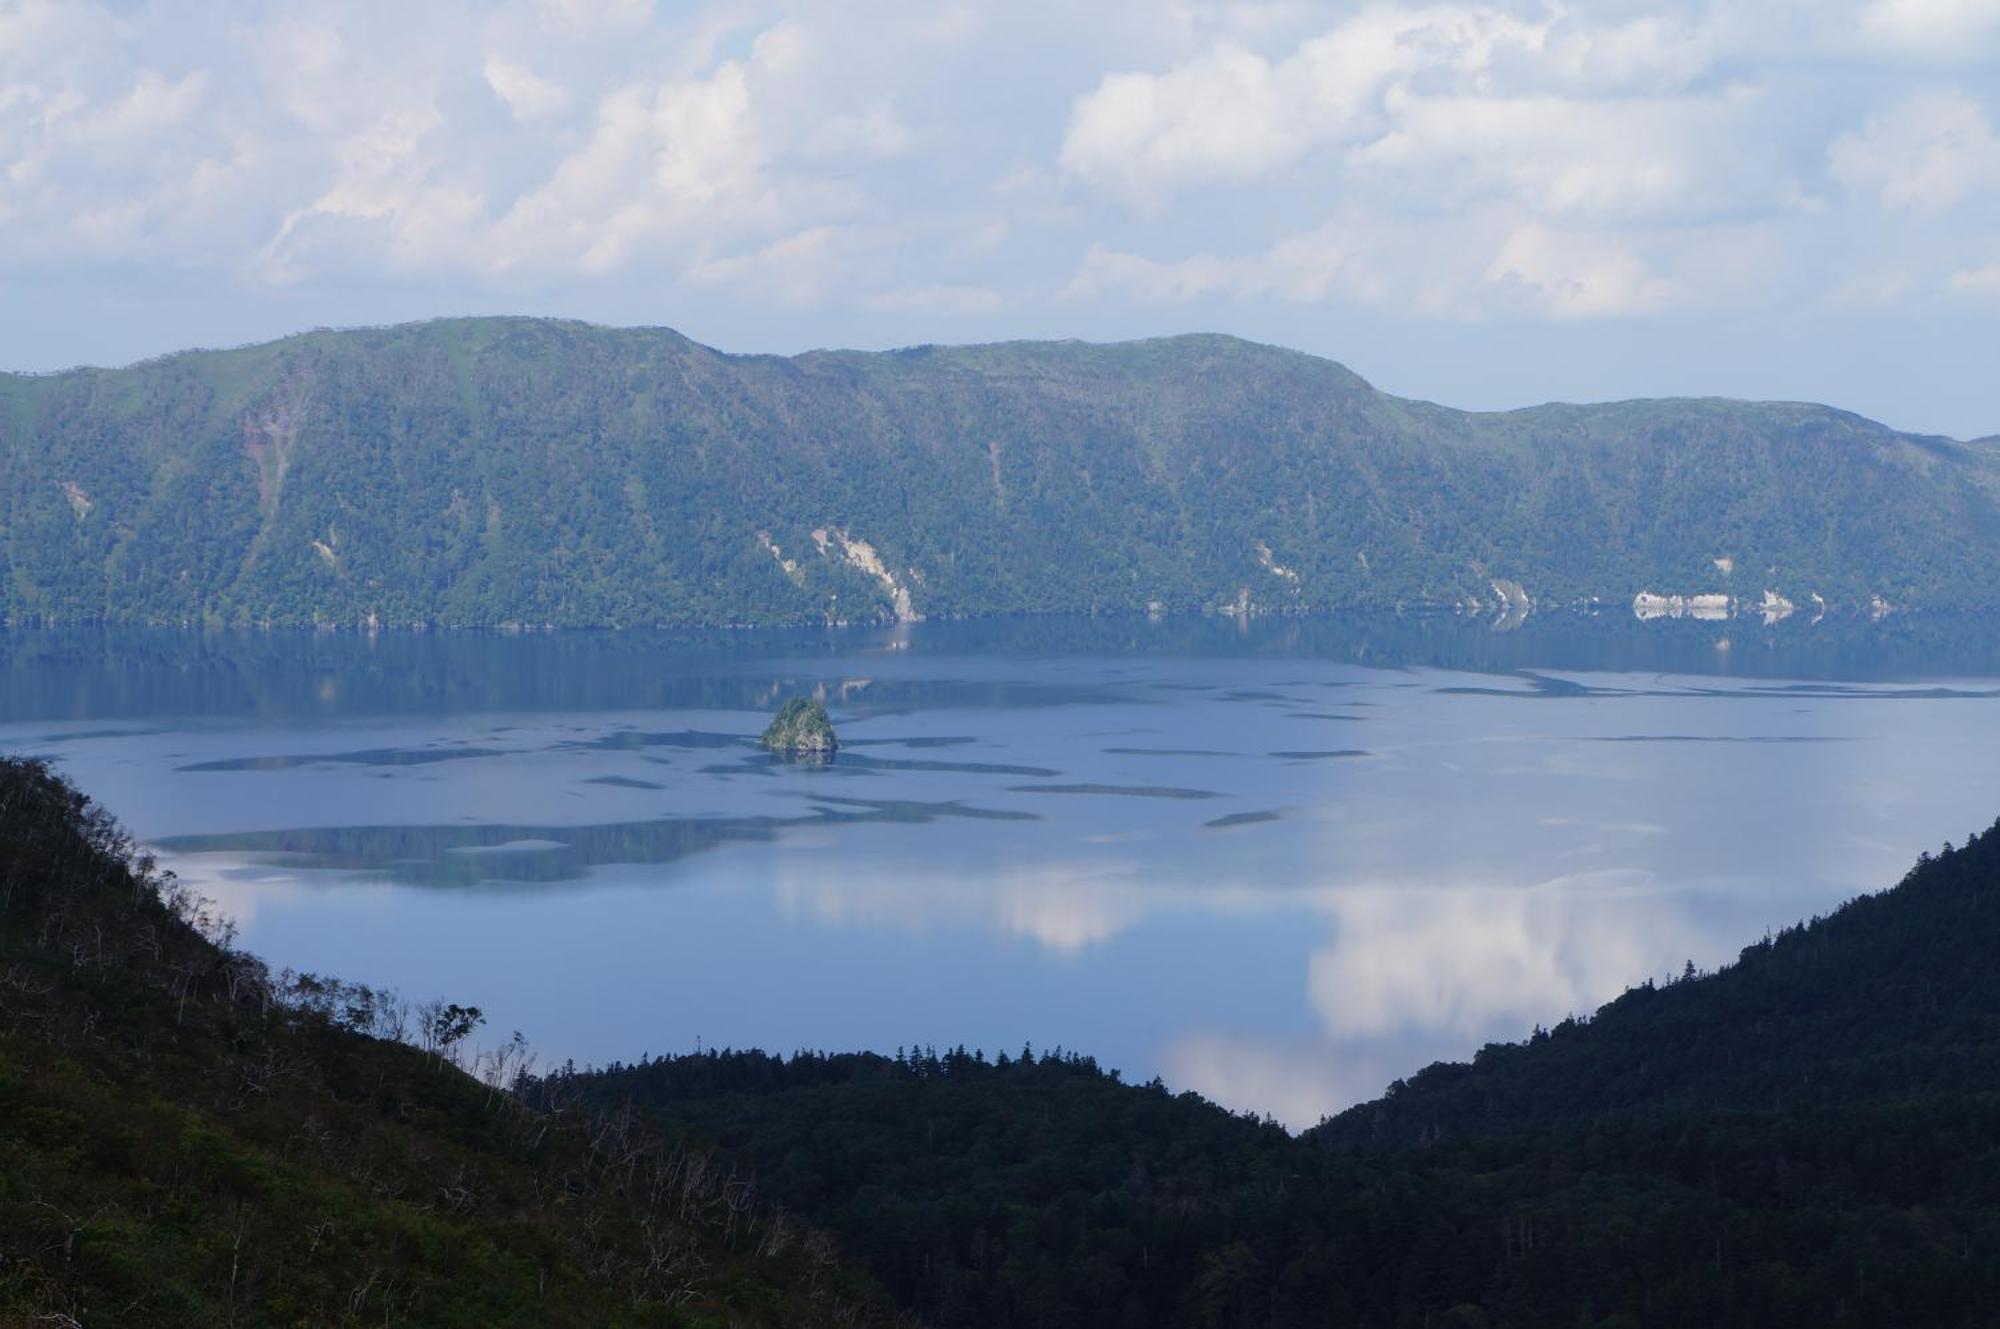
1488, 204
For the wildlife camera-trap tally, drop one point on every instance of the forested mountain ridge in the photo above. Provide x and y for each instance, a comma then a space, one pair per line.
521, 471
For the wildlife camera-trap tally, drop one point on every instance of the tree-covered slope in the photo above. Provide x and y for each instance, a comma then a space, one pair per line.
1810, 1137
1894, 999
188, 1139
493, 471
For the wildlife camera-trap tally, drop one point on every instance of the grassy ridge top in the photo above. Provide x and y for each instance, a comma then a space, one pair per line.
509, 470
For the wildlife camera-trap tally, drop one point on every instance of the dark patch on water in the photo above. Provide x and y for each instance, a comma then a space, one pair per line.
1223, 823
1545, 686
1716, 738
1320, 755
1170, 752
623, 782
1840, 692
905, 810
1539, 685
1118, 790
372, 757
468, 855
867, 763
625, 740
763, 764
845, 762
923, 741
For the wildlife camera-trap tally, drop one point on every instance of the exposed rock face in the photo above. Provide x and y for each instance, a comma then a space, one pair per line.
1712, 607
1514, 601
1270, 563
864, 557
801, 728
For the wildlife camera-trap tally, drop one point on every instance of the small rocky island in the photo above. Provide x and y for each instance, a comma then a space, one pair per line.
801, 729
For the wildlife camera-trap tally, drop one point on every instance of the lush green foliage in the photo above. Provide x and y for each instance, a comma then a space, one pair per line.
188, 1139
496, 471
1810, 1137
801, 725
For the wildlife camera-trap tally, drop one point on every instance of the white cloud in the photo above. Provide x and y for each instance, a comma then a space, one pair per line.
1948, 28
1223, 117
1484, 158
386, 178
671, 171
794, 271
152, 107
1624, 159
593, 16
1402, 85
942, 298
1981, 281
1927, 152
527, 94
1473, 267
1577, 276
1308, 266
602, 201
872, 132
308, 70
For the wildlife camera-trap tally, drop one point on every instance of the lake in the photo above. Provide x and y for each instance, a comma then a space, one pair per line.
1280, 863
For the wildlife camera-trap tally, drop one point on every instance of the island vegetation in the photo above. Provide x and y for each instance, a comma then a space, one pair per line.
494, 472
801, 729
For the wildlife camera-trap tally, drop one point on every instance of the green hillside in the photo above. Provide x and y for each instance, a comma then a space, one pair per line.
516, 471
189, 1139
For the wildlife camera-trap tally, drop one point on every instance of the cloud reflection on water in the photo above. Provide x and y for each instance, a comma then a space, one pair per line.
1462, 960
1063, 907
1298, 1082
1409, 971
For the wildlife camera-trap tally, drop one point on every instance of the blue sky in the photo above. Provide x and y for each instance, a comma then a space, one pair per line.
1484, 203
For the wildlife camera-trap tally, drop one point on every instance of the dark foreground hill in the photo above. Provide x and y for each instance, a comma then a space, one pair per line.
186, 1139
1810, 1137
516, 471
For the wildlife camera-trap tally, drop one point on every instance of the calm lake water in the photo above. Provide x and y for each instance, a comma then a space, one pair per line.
1277, 863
